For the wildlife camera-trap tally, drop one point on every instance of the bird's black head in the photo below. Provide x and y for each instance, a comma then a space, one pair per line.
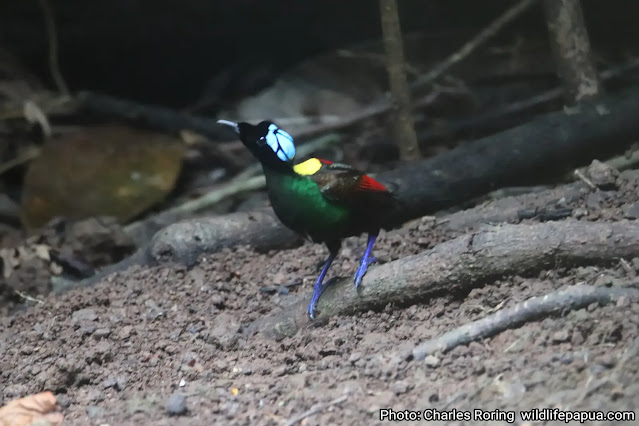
270, 144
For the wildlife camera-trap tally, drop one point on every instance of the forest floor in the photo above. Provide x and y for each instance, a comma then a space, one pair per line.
135, 347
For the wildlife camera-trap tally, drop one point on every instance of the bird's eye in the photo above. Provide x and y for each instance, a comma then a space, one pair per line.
261, 141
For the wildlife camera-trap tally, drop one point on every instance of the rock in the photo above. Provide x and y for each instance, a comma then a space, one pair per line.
560, 336
109, 383
124, 332
566, 359
594, 200
100, 353
94, 411
101, 333
84, 315
633, 211
154, 311
602, 175
355, 356
432, 361
121, 382
88, 328
279, 371
607, 360
224, 332
399, 387
176, 404
579, 213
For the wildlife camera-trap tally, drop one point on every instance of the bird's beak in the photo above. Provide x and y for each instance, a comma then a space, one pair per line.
233, 125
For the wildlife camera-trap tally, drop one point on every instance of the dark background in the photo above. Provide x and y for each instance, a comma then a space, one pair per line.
165, 52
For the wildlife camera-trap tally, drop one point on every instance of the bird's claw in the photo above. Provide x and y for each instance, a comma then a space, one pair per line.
311, 310
317, 292
361, 271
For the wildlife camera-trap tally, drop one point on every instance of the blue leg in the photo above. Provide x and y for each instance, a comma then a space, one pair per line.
319, 286
367, 259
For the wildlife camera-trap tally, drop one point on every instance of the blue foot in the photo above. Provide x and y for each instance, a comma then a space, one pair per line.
361, 271
319, 286
366, 261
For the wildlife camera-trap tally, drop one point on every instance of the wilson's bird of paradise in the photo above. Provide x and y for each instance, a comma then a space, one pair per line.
321, 200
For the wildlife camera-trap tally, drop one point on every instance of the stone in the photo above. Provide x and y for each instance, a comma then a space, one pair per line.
432, 361
176, 404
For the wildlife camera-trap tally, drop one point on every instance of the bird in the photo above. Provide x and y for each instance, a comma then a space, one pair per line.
321, 200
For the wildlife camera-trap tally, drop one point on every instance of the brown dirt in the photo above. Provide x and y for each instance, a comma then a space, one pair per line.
114, 353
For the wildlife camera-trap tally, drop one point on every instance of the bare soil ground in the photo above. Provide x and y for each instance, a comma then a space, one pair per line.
116, 352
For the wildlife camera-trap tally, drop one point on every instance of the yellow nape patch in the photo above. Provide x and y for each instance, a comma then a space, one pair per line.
308, 167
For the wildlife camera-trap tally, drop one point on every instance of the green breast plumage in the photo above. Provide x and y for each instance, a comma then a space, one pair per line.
299, 204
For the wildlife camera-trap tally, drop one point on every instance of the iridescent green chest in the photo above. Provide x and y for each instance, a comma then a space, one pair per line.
299, 204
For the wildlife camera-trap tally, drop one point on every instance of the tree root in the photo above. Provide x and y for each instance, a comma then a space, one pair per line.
466, 262
557, 302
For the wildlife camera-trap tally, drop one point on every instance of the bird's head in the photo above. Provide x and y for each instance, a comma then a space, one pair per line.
270, 144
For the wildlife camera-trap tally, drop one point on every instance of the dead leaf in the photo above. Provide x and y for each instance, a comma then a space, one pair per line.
104, 171
41, 409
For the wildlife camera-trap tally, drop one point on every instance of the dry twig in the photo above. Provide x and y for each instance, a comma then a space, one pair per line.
557, 302
25, 296
585, 180
316, 409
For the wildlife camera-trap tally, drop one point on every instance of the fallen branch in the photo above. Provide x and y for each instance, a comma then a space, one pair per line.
533, 152
162, 118
464, 263
557, 302
316, 409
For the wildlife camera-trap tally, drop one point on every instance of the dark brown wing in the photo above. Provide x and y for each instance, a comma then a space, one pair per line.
342, 184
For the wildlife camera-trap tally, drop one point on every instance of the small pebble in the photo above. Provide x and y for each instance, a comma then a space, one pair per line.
109, 383
432, 361
121, 382
93, 411
355, 356
608, 361
101, 333
560, 336
633, 211
86, 314
176, 404
399, 387
63, 400
566, 359
279, 371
